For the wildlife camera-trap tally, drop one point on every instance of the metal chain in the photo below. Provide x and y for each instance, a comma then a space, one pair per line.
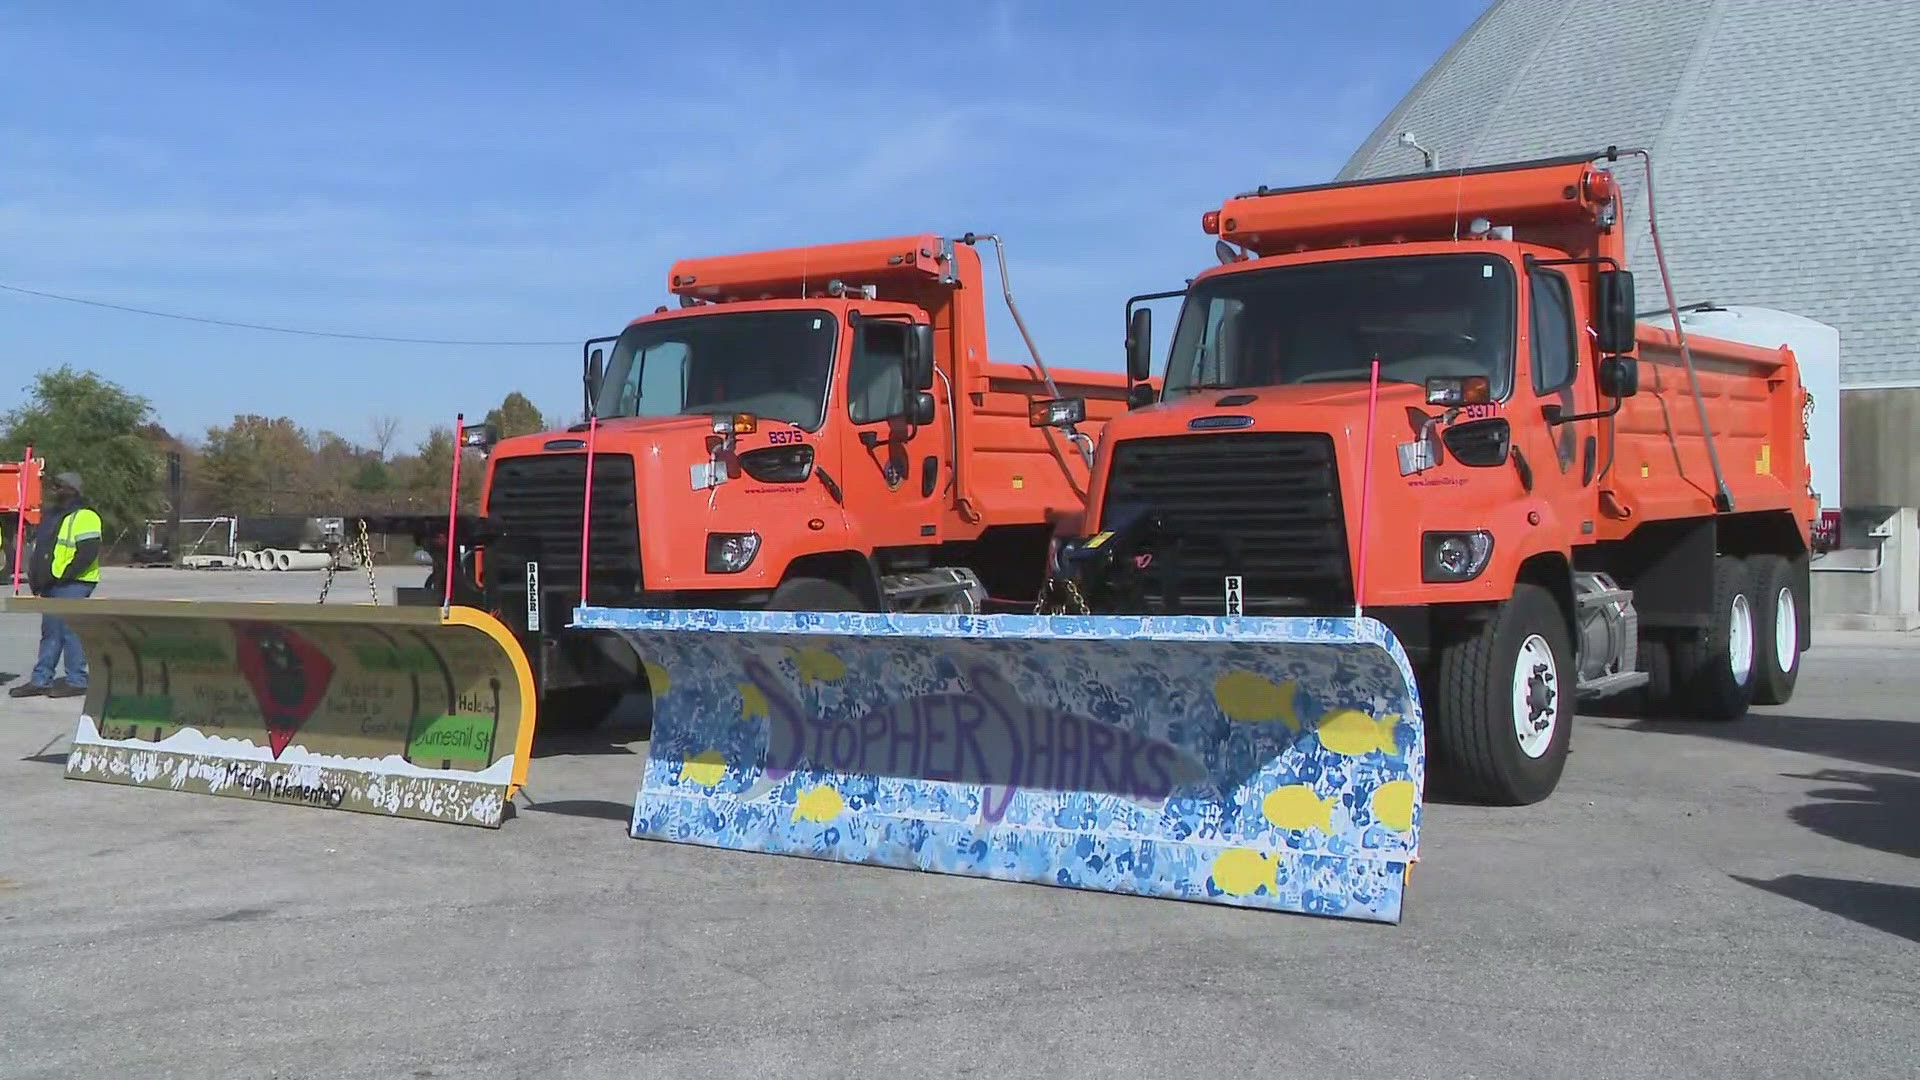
1806, 418
366, 560
362, 549
327, 582
1076, 605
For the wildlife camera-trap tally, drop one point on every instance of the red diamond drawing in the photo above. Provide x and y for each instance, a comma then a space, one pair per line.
288, 674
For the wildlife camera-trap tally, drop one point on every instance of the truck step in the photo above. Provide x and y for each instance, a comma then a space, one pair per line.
1609, 685
954, 589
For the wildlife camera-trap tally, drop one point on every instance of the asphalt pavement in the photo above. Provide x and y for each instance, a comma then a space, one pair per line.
1700, 900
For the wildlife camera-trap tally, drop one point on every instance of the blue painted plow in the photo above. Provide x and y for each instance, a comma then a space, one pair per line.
1257, 762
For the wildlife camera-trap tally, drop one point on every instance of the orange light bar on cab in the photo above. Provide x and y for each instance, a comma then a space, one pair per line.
1426, 206
784, 272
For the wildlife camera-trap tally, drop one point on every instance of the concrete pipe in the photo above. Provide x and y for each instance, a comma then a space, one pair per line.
250, 560
302, 560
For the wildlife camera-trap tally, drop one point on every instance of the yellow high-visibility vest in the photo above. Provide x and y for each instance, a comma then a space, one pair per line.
82, 524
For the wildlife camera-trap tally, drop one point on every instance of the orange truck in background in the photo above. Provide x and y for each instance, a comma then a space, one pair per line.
19, 506
1566, 503
817, 428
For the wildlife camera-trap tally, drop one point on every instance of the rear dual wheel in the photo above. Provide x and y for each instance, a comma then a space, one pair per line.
1748, 654
1782, 607
1717, 669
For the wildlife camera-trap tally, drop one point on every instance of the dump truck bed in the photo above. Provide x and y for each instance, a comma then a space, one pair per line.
1754, 404
1012, 470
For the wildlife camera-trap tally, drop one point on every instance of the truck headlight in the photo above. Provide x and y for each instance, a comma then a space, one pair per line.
1454, 556
730, 553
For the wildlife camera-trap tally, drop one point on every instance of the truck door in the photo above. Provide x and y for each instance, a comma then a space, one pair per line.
895, 469
1563, 457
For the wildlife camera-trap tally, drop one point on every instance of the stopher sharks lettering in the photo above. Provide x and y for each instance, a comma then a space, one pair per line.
986, 735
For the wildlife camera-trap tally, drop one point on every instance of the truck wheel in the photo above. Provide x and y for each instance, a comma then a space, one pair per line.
813, 594
1656, 659
1713, 673
1777, 631
1503, 713
576, 710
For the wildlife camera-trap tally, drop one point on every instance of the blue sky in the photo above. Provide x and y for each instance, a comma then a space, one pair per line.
527, 171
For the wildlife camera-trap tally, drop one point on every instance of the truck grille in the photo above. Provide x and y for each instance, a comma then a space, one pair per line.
539, 500
1264, 505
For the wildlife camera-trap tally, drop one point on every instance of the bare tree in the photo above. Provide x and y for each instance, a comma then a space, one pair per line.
384, 429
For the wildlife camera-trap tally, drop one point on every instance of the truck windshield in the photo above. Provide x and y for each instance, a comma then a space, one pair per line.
1422, 315
773, 364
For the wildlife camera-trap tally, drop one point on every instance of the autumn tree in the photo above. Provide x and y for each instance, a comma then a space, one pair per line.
258, 465
431, 469
383, 429
516, 415
78, 422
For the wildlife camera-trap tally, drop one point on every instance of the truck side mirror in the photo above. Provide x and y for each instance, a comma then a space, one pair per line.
1139, 395
919, 357
1140, 346
1613, 314
920, 408
596, 372
1619, 376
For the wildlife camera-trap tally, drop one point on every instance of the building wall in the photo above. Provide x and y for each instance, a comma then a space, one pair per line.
1880, 446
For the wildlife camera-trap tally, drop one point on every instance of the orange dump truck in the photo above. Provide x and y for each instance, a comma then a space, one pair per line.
817, 428
1563, 504
19, 512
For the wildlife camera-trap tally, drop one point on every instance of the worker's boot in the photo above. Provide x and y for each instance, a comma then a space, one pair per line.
62, 688
28, 690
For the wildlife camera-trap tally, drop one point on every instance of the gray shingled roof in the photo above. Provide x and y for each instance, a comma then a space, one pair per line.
1785, 146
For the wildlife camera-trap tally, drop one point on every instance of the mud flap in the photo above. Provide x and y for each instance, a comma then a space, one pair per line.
1257, 762
382, 710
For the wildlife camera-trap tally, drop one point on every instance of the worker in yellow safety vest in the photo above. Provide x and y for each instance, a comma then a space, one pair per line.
66, 566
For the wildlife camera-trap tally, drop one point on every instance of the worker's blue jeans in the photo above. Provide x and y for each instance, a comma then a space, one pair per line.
58, 641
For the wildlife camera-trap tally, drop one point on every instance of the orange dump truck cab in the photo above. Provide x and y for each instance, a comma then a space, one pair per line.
818, 428
1546, 499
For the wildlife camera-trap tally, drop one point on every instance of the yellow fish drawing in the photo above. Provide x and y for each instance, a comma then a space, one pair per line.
705, 768
752, 702
1352, 732
1253, 699
1244, 871
821, 803
818, 665
657, 681
1393, 805
1296, 807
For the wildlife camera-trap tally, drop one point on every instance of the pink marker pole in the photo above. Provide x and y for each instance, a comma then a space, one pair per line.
453, 508
1366, 484
20, 523
586, 508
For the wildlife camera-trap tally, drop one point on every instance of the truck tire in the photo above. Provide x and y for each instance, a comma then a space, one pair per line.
1777, 641
1502, 715
576, 710
1713, 673
1656, 659
814, 594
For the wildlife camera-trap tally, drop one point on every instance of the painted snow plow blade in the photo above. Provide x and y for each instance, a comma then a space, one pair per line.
383, 710
1258, 762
